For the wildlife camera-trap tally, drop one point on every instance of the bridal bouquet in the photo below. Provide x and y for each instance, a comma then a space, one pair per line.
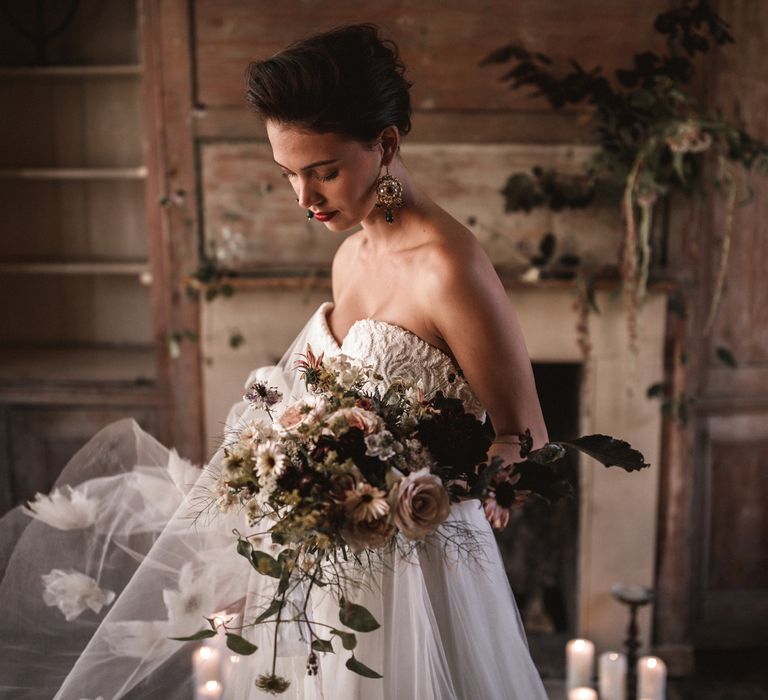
357, 469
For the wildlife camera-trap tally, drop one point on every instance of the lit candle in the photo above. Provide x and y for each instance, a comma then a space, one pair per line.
651, 678
612, 676
206, 662
231, 664
211, 689
582, 694
579, 657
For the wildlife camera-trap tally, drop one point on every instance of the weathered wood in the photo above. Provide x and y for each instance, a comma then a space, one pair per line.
248, 199
441, 43
476, 126
171, 163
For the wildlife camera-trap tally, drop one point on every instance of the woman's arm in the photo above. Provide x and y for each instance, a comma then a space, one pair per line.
469, 308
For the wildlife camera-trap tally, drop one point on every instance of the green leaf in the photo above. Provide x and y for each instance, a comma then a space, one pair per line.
239, 644
354, 665
322, 645
609, 450
202, 634
244, 548
726, 356
266, 564
273, 608
348, 639
655, 390
551, 452
484, 479
356, 617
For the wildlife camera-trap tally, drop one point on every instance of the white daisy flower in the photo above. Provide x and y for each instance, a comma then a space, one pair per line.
270, 460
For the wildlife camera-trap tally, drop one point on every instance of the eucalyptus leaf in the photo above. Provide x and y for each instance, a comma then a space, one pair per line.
266, 564
202, 634
726, 356
354, 665
348, 639
610, 451
357, 617
239, 644
244, 548
484, 479
323, 645
273, 608
551, 452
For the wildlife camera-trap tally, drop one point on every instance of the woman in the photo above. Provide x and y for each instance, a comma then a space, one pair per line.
415, 296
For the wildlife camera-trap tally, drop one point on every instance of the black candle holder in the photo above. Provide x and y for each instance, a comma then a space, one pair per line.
633, 596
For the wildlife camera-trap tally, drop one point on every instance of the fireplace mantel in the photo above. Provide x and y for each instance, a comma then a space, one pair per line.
618, 511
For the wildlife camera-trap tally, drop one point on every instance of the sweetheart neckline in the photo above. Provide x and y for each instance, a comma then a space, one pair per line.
326, 306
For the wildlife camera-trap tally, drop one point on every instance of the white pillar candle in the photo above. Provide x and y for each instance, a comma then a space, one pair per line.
612, 676
582, 694
579, 658
651, 678
206, 662
210, 689
229, 670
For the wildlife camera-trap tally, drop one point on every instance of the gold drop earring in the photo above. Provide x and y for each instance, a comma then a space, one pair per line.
389, 194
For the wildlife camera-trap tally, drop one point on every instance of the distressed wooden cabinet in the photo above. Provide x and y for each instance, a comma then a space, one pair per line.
88, 292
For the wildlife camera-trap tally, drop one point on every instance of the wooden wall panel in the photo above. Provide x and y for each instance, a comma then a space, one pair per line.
738, 517
245, 194
441, 41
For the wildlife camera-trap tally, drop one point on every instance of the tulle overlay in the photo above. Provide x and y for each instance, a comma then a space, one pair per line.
128, 551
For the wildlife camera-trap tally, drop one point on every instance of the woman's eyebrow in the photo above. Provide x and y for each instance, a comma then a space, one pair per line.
316, 164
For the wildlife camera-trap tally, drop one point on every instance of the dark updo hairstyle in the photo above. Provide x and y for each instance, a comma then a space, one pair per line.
346, 81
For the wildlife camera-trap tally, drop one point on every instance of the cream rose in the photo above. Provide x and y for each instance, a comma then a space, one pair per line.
421, 504
356, 417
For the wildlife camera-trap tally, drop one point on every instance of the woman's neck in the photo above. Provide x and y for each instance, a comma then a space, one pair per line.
383, 237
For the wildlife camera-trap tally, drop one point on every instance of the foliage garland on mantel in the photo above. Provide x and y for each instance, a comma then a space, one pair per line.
653, 139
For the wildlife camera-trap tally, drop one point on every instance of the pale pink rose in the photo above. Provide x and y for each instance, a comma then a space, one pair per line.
355, 417
301, 413
421, 504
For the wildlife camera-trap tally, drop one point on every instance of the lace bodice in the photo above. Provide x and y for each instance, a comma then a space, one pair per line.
394, 352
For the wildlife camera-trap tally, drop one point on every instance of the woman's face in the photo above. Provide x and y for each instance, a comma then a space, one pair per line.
333, 176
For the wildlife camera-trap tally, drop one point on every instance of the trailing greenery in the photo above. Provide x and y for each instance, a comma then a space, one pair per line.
653, 138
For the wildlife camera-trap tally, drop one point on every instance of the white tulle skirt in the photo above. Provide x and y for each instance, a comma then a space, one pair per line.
127, 553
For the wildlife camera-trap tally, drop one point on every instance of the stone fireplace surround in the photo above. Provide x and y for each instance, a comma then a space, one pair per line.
618, 511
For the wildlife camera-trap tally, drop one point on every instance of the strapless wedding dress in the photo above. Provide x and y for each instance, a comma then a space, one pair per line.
126, 554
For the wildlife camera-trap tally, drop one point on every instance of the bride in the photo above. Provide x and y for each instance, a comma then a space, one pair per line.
100, 573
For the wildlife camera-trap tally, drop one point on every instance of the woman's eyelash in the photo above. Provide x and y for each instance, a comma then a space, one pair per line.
322, 178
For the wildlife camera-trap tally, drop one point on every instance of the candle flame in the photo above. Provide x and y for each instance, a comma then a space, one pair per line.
206, 652
212, 686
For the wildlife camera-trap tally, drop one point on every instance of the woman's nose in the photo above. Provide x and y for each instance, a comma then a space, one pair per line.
306, 195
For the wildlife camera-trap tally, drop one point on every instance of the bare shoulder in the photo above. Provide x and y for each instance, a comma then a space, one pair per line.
455, 262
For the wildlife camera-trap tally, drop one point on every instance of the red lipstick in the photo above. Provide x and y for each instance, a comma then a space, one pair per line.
325, 215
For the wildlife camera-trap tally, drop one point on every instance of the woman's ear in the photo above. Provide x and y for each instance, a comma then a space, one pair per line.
389, 138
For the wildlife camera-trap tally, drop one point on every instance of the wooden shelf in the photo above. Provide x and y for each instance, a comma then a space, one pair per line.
56, 364
302, 278
73, 71
137, 173
137, 268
